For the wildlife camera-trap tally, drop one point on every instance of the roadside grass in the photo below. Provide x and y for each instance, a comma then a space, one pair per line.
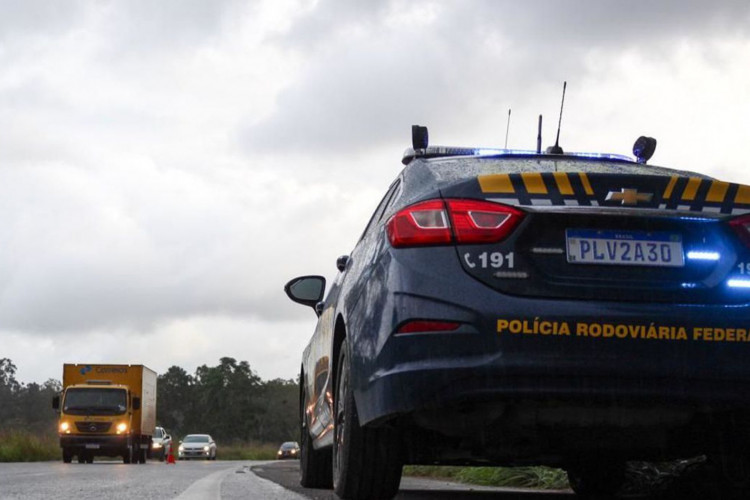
19, 446
546, 478
247, 451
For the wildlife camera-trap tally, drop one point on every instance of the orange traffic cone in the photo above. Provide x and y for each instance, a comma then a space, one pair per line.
170, 455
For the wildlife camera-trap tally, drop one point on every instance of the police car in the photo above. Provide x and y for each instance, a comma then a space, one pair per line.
524, 307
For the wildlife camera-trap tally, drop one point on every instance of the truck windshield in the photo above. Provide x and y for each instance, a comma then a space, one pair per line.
95, 401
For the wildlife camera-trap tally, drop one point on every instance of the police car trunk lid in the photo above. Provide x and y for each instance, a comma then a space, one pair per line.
593, 234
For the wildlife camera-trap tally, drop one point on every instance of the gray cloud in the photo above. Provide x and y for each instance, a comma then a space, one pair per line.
166, 167
367, 77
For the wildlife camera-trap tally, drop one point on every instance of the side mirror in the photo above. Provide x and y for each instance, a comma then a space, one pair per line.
136, 403
306, 290
56, 403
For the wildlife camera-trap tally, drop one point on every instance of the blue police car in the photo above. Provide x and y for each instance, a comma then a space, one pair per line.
526, 307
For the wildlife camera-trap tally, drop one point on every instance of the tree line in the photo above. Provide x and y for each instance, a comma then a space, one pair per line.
228, 401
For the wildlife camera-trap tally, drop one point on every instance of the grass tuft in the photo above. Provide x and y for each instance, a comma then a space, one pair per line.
516, 477
247, 451
19, 446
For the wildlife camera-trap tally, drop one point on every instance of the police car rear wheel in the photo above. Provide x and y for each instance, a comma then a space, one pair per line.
367, 461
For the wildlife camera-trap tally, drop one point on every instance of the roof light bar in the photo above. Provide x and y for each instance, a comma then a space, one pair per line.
446, 151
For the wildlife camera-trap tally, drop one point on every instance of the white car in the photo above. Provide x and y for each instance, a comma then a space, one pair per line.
160, 443
197, 446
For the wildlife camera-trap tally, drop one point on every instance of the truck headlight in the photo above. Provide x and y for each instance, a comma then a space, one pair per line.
65, 427
122, 427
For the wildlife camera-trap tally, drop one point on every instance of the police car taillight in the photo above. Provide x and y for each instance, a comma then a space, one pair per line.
476, 221
741, 226
422, 224
441, 222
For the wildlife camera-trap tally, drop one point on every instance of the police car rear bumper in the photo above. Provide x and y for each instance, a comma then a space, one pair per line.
511, 348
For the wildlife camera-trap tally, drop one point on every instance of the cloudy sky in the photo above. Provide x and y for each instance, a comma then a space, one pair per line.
166, 166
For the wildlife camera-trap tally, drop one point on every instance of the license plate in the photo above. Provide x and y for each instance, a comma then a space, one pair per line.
92, 446
624, 248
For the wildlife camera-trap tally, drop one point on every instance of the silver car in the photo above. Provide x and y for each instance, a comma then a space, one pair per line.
197, 446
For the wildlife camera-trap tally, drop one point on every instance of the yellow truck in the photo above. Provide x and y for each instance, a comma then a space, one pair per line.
106, 410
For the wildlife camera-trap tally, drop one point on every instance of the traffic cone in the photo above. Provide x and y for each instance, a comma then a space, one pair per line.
170, 456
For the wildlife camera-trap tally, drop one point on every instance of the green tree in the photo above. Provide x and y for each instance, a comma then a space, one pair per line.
279, 420
9, 388
175, 400
228, 395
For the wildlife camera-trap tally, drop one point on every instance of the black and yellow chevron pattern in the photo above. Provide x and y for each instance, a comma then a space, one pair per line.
594, 189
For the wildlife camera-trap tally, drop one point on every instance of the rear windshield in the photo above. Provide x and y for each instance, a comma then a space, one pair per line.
196, 439
450, 170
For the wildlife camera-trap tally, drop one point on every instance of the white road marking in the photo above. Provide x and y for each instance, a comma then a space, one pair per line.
207, 488
270, 490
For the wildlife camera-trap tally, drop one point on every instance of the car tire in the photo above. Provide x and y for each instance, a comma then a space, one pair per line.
367, 462
315, 466
594, 479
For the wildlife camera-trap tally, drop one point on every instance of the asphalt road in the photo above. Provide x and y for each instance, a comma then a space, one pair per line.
203, 480
286, 473
192, 480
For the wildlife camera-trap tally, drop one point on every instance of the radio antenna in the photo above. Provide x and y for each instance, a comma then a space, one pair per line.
539, 137
507, 129
556, 149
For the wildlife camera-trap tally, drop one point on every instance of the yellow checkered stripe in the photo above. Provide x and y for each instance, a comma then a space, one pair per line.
592, 189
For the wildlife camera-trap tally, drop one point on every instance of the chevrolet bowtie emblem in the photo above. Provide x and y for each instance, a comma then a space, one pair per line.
629, 196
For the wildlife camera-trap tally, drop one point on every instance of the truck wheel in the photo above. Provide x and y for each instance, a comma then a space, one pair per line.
81, 458
128, 457
366, 461
315, 466
593, 479
67, 456
89, 458
141, 456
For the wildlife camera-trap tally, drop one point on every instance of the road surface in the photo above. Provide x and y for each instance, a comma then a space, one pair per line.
203, 480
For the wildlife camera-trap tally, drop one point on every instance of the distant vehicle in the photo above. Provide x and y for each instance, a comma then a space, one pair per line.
519, 307
161, 441
290, 449
197, 446
107, 410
